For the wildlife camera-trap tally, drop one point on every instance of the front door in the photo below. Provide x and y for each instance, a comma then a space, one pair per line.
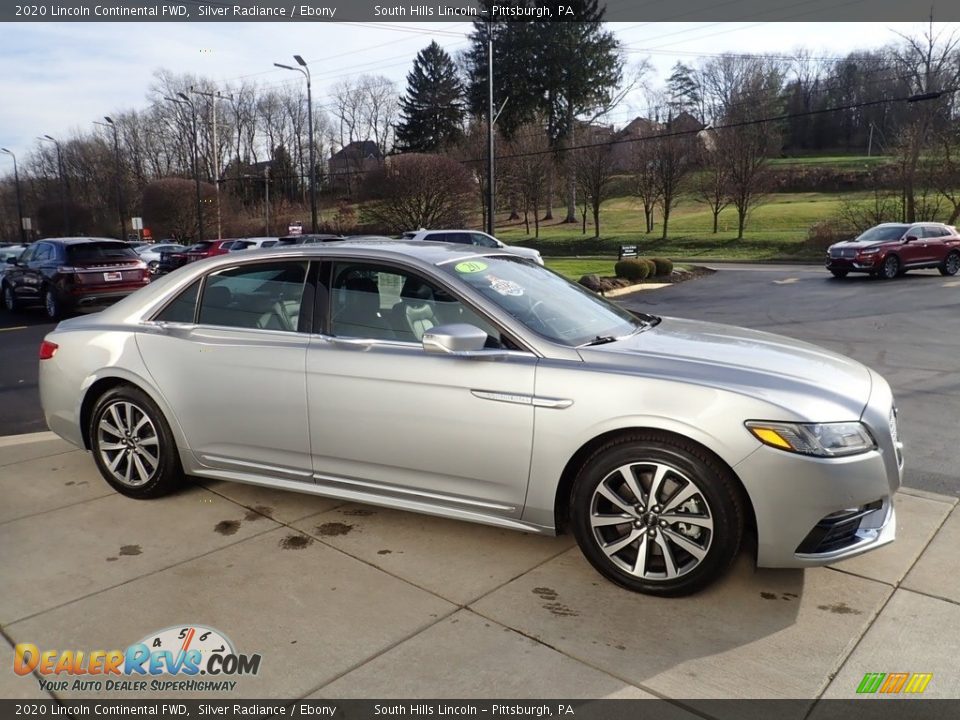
389, 418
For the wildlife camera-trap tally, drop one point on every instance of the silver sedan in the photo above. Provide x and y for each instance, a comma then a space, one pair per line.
480, 386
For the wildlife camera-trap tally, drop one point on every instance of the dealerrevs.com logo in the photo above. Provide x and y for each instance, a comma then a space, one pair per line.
185, 652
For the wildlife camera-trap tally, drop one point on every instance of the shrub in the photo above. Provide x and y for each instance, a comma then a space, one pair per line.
651, 267
634, 269
663, 266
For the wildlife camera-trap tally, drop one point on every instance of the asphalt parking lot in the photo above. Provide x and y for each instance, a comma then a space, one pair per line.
343, 600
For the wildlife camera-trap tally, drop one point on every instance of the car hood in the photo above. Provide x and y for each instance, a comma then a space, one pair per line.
806, 381
860, 244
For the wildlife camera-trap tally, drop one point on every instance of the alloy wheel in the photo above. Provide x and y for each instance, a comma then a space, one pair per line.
891, 267
651, 521
953, 264
128, 443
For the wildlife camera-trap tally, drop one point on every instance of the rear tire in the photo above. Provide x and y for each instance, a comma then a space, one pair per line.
657, 514
132, 444
950, 264
52, 305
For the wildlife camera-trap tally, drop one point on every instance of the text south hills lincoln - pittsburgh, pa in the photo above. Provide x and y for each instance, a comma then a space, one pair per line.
497, 11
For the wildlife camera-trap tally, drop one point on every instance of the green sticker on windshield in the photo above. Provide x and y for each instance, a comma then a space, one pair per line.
471, 266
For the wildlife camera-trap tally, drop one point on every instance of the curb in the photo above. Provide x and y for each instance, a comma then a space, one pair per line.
630, 290
10, 440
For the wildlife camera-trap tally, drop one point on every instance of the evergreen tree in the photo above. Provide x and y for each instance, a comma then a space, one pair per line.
432, 109
561, 70
683, 91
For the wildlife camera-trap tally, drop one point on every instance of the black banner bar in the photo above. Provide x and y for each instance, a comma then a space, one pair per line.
460, 10
874, 708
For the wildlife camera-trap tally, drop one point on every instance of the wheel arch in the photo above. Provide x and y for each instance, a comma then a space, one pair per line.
576, 461
104, 383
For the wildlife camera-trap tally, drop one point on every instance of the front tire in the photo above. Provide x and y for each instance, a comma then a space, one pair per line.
10, 301
657, 514
132, 444
891, 268
951, 264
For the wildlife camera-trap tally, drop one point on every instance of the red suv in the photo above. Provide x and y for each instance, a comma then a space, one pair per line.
209, 248
890, 249
66, 274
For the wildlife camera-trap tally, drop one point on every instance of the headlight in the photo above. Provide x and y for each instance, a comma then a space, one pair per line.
819, 439
870, 251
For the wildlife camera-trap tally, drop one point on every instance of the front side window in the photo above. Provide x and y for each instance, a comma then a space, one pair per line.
44, 253
544, 301
484, 241
385, 303
265, 296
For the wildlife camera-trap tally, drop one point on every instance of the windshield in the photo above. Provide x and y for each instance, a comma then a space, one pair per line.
882, 233
544, 301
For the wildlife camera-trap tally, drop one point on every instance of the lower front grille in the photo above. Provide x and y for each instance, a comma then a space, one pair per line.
837, 530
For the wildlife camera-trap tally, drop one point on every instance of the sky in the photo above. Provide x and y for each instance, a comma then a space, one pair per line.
56, 78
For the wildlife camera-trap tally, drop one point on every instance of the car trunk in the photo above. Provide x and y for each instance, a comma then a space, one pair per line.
104, 266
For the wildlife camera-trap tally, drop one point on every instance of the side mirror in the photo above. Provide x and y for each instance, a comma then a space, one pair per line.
454, 339
910, 238
12, 260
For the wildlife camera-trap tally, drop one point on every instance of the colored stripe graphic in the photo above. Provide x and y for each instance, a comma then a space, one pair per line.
918, 682
894, 683
871, 682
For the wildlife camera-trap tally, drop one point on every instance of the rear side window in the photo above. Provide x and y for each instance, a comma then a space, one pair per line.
93, 252
183, 307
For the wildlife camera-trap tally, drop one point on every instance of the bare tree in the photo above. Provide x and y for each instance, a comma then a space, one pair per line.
643, 178
712, 183
594, 167
673, 158
418, 190
528, 170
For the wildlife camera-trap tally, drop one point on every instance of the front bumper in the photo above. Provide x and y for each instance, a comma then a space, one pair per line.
867, 264
815, 511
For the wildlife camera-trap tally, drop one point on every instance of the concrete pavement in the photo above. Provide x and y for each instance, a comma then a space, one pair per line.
345, 600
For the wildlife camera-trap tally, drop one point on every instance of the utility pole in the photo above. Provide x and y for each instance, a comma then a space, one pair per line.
266, 197
214, 96
313, 168
491, 204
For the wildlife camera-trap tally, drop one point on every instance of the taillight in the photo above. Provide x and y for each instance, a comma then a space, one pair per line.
47, 349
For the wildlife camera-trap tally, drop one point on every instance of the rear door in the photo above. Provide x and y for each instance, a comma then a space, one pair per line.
934, 243
232, 367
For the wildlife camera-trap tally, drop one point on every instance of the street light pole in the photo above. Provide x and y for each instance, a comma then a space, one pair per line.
116, 149
491, 192
216, 152
184, 100
313, 168
16, 182
63, 183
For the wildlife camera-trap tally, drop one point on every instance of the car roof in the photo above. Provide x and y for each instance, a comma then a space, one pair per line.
431, 253
81, 240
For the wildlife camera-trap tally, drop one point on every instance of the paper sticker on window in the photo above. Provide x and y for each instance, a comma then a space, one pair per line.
504, 287
471, 266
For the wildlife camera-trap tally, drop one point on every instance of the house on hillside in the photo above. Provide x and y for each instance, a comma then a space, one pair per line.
349, 165
642, 127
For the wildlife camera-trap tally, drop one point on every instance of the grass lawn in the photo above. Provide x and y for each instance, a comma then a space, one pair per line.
776, 229
576, 268
837, 161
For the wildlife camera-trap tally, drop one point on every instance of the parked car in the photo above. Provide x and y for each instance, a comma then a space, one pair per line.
473, 237
891, 249
151, 254
68, 274
308, 239
170, 260
254, 243
209, 248
10, 251
476, 385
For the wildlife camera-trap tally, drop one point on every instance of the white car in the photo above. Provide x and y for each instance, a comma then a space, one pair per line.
473, 237
253, 243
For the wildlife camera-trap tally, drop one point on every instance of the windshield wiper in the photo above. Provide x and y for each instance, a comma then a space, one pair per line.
600, 340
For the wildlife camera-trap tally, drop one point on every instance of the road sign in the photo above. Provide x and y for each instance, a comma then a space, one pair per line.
27, 224
137, 223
